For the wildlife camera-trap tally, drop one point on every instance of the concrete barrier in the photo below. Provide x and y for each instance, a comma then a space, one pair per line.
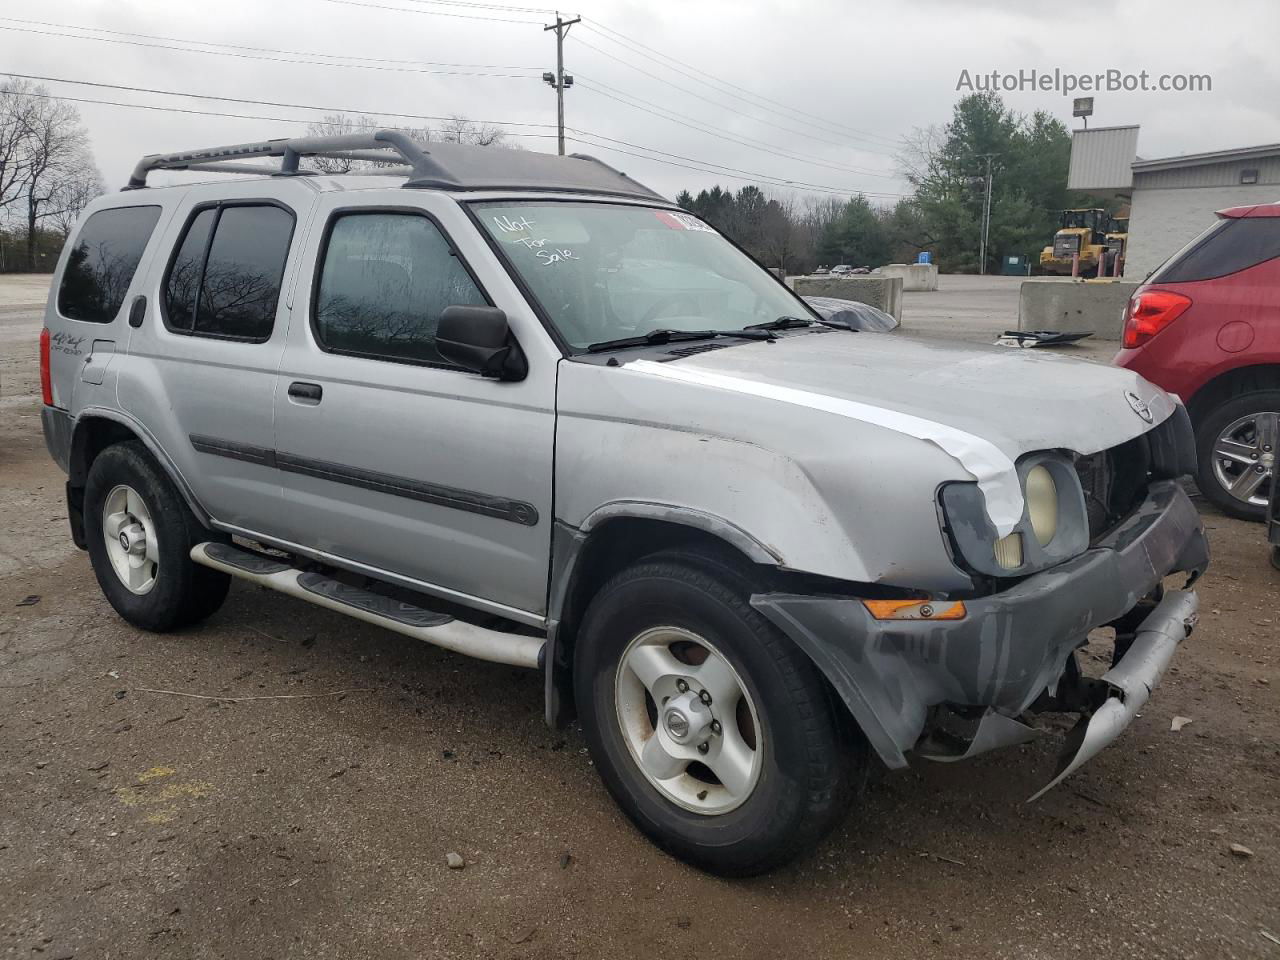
916, 277
885, 293
1074, 306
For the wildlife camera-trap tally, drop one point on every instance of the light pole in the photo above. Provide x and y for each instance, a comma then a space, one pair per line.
559, 80
986, 217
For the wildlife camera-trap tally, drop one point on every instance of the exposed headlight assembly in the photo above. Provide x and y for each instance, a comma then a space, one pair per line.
1054, 525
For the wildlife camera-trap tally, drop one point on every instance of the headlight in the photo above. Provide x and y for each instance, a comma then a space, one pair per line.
1054, 526
1042, 503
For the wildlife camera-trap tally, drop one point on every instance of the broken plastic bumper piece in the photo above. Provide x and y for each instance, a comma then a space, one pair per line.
1130, 681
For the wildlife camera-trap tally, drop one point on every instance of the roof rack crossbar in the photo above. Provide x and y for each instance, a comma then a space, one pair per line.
384, 145
446, 166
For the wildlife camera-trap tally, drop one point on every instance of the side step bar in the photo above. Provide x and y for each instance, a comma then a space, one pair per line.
440, 629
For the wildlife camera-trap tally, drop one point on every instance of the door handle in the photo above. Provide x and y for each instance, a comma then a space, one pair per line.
309, 392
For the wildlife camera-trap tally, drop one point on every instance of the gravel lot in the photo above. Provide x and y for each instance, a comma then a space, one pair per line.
144, 823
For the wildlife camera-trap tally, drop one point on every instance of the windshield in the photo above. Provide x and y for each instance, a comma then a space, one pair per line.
605, 271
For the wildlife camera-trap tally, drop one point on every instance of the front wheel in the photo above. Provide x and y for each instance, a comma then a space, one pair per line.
1237, 447
711, 730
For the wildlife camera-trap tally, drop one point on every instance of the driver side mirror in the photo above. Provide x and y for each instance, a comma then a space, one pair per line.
479, 339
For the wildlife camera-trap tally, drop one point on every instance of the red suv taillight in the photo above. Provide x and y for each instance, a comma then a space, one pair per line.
1150, 312
46, 380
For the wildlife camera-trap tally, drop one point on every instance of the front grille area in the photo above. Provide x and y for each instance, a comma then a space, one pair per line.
1095, 477
1114, 481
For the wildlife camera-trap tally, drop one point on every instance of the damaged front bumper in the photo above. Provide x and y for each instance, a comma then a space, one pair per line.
1013, 648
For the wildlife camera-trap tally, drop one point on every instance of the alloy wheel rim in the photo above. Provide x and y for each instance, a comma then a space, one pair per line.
130, 538
688, 720
1244, 457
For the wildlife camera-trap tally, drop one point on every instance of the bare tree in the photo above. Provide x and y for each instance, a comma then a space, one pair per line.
461, 130
16, 107
77, 185
54, 142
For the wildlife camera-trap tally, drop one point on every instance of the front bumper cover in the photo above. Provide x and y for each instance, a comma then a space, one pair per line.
1012, 646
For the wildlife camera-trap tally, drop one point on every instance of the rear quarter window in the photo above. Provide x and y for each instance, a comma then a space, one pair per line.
1227, 247
102, 263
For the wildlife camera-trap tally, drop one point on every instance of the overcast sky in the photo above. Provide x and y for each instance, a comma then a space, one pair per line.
814, 92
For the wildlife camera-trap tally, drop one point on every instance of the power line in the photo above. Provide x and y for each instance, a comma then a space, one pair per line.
234, 116
585, 137
434, 13
748, 174
238, 46
259, 103
250, 56
720, 104
702, 127
485, 6
736, 89
756, 178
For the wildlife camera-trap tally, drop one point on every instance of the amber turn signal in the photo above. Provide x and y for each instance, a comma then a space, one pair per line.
915, 609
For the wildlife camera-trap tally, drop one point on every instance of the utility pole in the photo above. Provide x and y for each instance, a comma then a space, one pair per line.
986, 218
559, 80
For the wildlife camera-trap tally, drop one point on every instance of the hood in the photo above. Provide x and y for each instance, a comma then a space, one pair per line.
984, 406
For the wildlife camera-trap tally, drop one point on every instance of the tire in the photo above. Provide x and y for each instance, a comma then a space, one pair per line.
169, 591
1233, 418
808, 761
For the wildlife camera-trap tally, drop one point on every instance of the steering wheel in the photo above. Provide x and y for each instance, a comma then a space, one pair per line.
671, 300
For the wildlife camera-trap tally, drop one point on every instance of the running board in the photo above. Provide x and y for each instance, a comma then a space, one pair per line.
436, 628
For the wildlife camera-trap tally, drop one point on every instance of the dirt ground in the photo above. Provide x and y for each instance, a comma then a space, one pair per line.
135, 822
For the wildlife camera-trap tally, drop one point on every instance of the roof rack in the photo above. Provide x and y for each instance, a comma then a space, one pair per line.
443, 166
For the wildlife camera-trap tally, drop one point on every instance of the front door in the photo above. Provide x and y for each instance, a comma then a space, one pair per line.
393, 459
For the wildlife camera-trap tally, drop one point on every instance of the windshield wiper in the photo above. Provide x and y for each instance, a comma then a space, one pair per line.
658, 337
789, 323
782, 323
652, 338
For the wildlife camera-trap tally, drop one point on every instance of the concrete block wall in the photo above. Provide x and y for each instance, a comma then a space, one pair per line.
916, 277
1074, 306
885, 293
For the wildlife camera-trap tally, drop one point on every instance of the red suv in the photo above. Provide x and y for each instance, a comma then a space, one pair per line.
1206, 326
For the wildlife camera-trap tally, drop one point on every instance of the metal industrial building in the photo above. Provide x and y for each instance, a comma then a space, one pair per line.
1171, 199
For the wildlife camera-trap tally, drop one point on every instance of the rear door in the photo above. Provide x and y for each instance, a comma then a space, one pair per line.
392, 458
203, 363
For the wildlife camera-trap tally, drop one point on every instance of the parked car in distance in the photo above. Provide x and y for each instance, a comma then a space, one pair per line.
840, 269
522, 407
1206, 326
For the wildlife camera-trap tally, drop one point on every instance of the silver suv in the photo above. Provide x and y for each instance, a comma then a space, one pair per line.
522, 407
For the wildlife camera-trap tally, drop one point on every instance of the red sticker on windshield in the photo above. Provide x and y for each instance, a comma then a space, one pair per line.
682, 221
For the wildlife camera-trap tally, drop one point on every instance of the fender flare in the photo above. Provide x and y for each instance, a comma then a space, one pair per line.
79, 433
567, 543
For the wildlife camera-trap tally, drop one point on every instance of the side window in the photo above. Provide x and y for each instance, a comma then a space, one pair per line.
225, 277
384, 281
1228, 247
183, 283
102, 263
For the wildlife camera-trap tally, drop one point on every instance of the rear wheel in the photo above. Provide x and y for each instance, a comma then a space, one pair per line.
1236, 444
140, 533
711, 730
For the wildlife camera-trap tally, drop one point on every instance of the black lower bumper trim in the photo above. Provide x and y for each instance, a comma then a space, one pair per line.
1010, 646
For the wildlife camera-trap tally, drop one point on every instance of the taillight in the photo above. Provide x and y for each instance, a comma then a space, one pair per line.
46, 380
1150, 312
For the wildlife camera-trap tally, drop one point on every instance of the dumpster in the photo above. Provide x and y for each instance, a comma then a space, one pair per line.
1015, 266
